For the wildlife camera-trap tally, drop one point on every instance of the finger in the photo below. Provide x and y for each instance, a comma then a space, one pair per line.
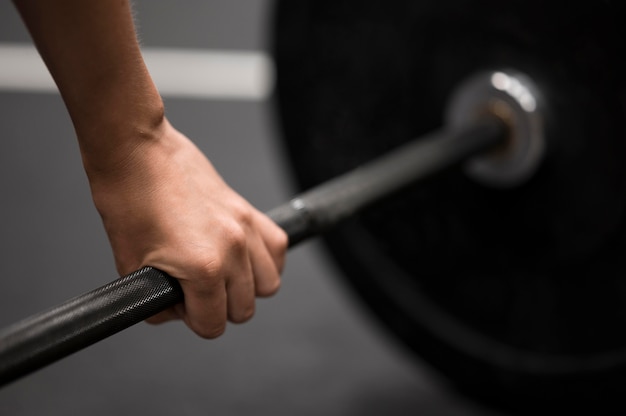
274, 238
264, 268
204, 310
240, 291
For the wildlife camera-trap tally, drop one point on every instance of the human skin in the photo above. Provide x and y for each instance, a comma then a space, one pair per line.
161, 201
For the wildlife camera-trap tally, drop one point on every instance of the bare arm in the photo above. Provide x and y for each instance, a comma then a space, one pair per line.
161, 201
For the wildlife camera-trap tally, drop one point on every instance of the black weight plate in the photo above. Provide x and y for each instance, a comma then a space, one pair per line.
517, 295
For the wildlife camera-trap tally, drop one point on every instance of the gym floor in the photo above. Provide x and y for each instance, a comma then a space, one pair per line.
311, 350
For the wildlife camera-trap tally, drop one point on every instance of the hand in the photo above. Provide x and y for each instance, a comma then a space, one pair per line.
161, 201
164, 205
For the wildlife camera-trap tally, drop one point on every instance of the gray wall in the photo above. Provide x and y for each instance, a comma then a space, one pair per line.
311, 350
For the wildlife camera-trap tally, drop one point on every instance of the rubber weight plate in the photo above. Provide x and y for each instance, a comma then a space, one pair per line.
517, 295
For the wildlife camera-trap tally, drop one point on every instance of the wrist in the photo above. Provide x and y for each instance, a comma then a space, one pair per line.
113, 136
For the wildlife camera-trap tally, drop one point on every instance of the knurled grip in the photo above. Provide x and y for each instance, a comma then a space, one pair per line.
84, 320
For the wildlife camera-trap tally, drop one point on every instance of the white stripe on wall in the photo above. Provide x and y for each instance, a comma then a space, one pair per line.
183, 73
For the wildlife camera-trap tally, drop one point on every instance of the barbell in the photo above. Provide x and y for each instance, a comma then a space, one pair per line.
93, 316
490, 246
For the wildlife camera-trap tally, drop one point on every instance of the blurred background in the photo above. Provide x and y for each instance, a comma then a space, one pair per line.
310, 350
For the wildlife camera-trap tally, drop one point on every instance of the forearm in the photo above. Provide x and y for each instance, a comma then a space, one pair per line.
92, 52
161, 201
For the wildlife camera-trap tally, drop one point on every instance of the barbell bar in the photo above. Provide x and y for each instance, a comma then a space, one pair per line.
48, 336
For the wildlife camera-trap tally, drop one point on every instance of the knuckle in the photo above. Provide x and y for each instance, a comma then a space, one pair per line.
241, 209
235, 236
208, 268
244, 214
281, 241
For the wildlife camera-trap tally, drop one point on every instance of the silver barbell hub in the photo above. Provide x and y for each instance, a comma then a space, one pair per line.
513, 97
